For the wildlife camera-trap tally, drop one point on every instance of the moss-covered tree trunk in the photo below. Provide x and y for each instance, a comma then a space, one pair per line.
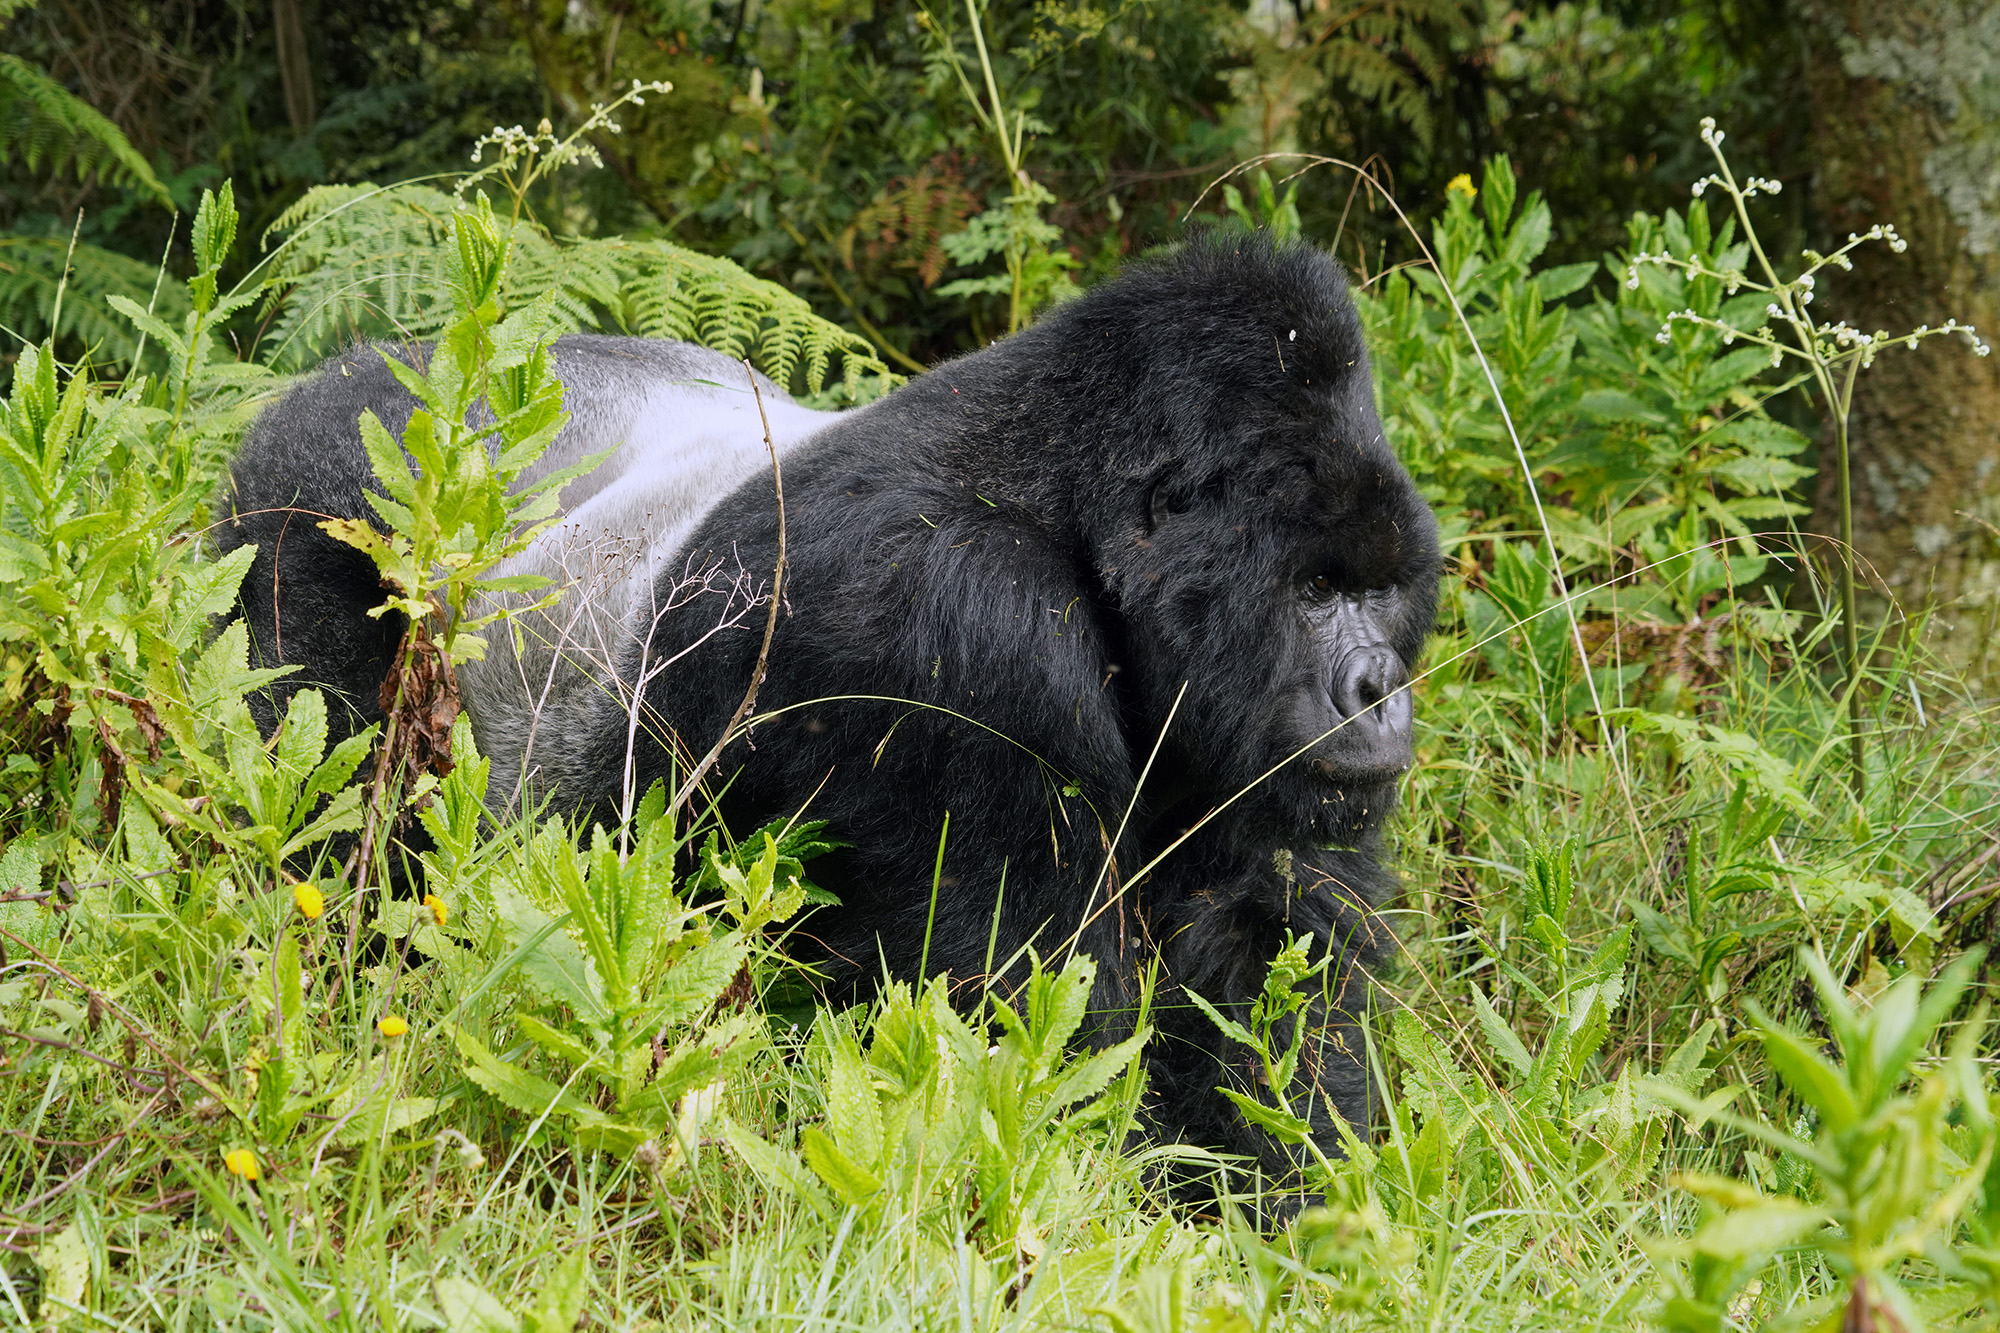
1906, 106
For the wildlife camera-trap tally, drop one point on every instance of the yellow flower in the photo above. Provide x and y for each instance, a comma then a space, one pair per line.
310, 900
241, 1162
392, 1026
438, 909
1462, 183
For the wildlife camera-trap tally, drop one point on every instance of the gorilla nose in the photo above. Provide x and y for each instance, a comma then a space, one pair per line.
1371, 686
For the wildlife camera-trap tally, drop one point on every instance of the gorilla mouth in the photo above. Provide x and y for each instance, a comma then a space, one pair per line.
1346, 774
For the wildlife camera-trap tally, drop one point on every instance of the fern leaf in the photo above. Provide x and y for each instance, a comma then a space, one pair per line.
31, 269
44, 123
368, 262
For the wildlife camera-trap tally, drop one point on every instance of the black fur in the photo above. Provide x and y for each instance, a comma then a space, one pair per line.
1173, 487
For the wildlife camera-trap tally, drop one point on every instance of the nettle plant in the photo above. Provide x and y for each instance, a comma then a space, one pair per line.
1829, 356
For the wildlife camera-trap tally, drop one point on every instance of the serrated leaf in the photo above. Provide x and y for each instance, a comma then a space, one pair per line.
1662, 935
1228, 1027
400, 1115
1091, 1075
850, 1183
1284, 1127
560, 1303
775, 1166
343, 814
1561, 280
562, 1045
556, 967
1500, 1036
518, 1088
851, 1106
207, 589
713, 1055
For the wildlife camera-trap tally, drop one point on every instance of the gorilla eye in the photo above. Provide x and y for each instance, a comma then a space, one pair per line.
1320, 586
1164, 502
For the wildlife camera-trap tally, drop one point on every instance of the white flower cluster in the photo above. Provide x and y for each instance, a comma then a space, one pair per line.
1711, 135
1731, 279
1843, 336
1839, 258
513, 141
1750, 188
1881, 231
1979, 347
1665, 335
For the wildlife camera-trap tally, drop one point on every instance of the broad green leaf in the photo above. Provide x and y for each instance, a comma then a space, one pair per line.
1088, 1077
851, 1106
1283, 1126
560, 1302
518, 1088
470, 1308
560, 1044
1761, 1229
852, 1184
775, 1166
1500, 1036
556, 967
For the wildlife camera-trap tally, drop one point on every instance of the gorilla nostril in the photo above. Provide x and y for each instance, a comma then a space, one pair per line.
1362, 681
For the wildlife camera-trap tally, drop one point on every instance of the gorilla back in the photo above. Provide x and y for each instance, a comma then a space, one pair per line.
1158, 534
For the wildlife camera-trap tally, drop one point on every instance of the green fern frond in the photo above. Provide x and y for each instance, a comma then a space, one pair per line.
360, 261
365, 262
31, 269
43, 123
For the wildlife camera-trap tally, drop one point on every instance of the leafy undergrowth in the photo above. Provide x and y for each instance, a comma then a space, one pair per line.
1684, 1030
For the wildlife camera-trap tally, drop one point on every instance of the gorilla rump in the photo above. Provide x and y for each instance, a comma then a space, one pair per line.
1160, 525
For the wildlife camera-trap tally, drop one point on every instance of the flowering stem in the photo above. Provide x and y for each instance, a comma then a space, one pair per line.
1837, 402
1850, 632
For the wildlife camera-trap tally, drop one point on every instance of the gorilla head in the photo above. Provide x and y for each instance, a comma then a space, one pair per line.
1140, 586
1261, 542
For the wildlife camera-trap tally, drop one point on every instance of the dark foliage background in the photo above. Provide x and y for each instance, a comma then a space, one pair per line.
825, 146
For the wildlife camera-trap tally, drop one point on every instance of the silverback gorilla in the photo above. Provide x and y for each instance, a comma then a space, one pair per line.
1162, 524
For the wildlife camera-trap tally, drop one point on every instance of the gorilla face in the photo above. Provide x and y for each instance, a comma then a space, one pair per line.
1305, 548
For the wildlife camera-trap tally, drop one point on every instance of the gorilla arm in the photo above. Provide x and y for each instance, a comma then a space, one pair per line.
966, 616
1217, 932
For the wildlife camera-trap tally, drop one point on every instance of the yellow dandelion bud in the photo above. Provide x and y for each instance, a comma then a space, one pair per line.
392, 1026
438, 910
310, 900
242, 1162
1462, 183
